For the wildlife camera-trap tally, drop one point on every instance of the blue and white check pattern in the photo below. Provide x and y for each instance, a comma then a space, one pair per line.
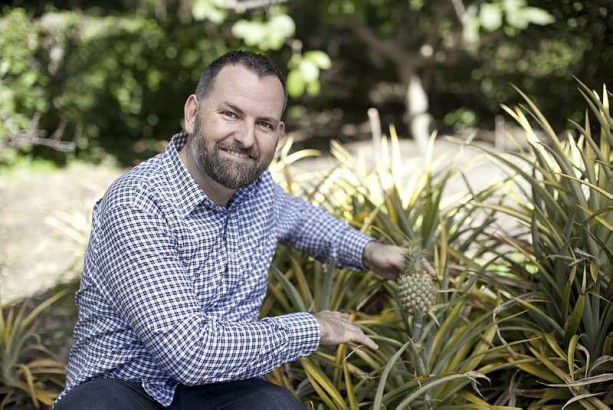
173, 283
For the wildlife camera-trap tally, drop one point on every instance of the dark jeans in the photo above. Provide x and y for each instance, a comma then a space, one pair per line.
115, 394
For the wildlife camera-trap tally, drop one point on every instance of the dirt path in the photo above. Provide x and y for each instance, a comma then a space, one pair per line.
44, 216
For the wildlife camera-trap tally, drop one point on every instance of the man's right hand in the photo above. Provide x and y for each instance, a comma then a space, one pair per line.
336, 328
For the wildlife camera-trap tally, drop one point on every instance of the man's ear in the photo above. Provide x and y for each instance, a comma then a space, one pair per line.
189, 113
281, 129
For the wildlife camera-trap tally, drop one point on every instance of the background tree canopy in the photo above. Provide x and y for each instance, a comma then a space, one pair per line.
97, 79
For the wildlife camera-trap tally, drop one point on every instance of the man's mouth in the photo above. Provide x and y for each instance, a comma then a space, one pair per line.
237, 154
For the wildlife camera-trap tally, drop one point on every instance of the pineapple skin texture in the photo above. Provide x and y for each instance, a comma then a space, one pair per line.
416, 291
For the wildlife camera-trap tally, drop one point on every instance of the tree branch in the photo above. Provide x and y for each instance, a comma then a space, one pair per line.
36, 136
22, 138
241, 6
460, 11
390, 50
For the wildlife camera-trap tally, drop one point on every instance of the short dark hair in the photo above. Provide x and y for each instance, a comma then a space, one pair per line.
258, 63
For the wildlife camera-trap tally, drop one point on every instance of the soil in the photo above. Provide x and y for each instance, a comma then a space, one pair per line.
44, 223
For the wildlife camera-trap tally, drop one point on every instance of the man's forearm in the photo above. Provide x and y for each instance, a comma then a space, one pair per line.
315, 231
206, 351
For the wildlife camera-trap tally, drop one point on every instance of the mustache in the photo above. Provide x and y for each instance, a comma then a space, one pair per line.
238, 147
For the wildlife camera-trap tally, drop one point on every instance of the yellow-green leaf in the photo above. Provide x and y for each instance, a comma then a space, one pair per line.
353, 402
572, 345
550, 365
318, 378
443, 333
553, 343
538, 371
30, 383
574, 320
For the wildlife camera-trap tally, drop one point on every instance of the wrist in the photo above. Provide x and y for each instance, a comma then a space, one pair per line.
367, 254
301, 330
323, 329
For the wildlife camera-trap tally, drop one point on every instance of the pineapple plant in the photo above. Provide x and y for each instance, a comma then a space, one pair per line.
416, 290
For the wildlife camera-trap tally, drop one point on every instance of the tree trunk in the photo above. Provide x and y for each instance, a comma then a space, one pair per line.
417, 117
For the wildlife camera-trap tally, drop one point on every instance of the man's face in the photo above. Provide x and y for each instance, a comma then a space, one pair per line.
237, 127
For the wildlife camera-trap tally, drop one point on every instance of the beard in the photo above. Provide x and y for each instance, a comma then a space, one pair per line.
226, 172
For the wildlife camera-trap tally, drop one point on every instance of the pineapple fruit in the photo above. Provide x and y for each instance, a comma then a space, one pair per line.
416, 290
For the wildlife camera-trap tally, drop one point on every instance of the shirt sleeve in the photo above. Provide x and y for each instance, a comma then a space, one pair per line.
140, 270
315, 231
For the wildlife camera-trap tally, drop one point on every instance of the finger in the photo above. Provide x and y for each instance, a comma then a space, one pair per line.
366, 341
341, 315
344, 317
389, 275
429, 269
358, 336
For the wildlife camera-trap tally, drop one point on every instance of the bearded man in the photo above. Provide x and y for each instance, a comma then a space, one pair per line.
177, 264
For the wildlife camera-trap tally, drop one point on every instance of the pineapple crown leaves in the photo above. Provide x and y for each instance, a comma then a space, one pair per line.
412, 259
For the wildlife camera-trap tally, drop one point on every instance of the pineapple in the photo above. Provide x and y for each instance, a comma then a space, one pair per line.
415, 288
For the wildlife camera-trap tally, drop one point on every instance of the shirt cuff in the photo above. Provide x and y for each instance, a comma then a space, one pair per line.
302, 331
351, 249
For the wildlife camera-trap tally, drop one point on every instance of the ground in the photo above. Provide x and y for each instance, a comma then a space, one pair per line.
44, 219
45, 213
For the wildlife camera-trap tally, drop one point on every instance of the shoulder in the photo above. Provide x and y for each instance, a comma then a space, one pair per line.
267, 183
139, 188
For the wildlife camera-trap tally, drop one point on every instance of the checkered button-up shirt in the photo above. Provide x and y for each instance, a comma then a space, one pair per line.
173, 283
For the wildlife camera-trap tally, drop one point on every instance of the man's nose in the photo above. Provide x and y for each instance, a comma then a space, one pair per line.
246, 134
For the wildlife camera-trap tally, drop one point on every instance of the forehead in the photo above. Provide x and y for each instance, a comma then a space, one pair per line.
242, 87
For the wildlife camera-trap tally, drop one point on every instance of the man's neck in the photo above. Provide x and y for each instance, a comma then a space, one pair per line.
216, 192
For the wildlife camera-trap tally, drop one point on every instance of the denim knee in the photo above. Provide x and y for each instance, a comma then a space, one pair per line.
273, 397
107, 394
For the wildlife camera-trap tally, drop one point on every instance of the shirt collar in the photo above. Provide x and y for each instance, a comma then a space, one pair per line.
186, 192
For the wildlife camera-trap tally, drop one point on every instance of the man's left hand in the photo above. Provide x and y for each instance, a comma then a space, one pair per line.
388, 260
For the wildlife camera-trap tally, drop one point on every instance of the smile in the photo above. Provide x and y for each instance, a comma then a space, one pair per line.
236, 154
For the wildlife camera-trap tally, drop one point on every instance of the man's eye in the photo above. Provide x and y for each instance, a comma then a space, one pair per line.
228, 114
267, 126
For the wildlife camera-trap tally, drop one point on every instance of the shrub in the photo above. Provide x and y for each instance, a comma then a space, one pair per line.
563, 256
29, 375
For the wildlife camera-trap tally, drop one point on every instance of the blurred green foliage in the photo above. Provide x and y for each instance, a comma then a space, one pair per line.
112, 83
112, 77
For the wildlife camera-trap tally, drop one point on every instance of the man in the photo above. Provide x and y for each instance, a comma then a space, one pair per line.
177, 263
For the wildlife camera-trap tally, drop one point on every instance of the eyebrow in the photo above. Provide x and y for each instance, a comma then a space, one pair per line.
233, 107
